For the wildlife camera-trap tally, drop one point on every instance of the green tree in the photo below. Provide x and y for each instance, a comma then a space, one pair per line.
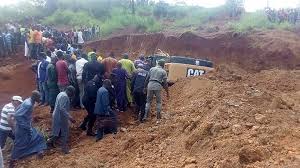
235, 7
132, 4
161, 9
51, 6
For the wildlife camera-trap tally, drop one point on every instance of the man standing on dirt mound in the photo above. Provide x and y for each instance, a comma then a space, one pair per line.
52, 83
8, 111
28, 140
89, 100
62, 72
106, 117
80, 40
79, 69
121, 76
42, 78
91, 69
138, 89
128, 65
60, 119
156, 80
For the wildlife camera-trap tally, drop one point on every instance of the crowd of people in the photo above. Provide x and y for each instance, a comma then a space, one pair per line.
10, 36
282, 15
68, 78
37, 38
42, 38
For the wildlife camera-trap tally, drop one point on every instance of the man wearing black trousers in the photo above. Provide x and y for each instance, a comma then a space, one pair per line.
89, 100
138, 90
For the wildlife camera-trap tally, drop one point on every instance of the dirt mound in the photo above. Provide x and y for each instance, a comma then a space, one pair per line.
230, 118
16, 79
255, 51
225, 119
242, 121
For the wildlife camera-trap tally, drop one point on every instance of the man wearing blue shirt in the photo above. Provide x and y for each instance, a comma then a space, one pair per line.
103, 111
42, 78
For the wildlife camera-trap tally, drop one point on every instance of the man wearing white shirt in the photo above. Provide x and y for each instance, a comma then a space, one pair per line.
48, 54
7, 113
80, 37
79, 69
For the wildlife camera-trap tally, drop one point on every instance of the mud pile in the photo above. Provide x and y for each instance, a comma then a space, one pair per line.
230, 118
254, 51
226, 119
16, 78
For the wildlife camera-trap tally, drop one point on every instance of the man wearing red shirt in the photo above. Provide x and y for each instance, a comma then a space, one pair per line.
62, 72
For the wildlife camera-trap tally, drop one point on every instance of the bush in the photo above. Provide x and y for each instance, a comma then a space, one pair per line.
257, 20
19, 12
197, 15
68, 17
161, 9
120, 19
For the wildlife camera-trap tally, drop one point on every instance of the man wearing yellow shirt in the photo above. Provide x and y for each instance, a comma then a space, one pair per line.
31, 42
38, 40
128, 65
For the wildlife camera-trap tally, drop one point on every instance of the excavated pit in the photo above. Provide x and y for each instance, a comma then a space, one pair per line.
245, 114
255, 51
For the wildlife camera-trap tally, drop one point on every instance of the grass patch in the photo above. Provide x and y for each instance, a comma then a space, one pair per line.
68, 17
118, 19
257, 20
195, 16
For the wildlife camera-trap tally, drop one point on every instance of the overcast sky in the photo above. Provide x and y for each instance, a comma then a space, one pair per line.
250, 5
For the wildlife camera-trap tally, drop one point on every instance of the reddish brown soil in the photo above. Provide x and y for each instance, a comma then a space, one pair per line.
16, 78
232, 118
255, 51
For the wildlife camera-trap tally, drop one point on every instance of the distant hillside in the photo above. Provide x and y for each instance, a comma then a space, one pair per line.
142, 15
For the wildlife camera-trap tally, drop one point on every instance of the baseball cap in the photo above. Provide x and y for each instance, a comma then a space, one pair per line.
17, 98
161, 61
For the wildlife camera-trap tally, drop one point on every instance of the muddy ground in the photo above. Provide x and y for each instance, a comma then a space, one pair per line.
245, 114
